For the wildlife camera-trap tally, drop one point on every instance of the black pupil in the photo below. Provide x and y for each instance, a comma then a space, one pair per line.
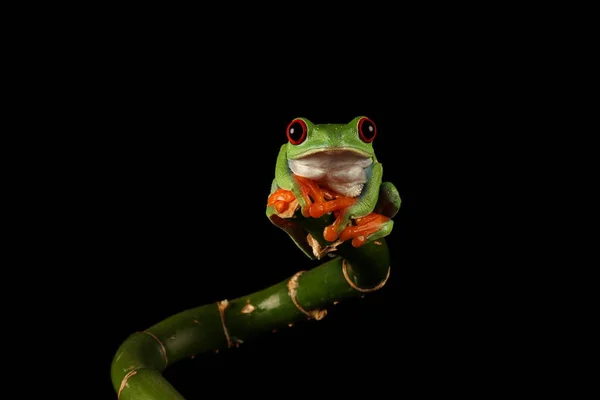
368, 129
296, 131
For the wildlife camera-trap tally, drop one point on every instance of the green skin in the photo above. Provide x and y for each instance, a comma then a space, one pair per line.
378, 196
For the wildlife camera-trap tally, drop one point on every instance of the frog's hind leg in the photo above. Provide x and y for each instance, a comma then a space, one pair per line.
367, 229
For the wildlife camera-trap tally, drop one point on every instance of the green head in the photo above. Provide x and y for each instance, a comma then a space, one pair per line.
306, 138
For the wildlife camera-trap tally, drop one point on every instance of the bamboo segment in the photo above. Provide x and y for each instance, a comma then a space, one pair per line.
147, 384
138, 363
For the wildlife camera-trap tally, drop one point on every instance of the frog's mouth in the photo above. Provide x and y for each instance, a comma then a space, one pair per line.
343, 170
334, 151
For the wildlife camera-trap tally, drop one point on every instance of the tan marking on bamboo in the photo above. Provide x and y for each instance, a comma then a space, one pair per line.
293, 292
162, 346
377, 242
222, 306
196, 321
248, 308
124, 381
363, 290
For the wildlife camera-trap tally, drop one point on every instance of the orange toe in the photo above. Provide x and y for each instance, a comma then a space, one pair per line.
364, 227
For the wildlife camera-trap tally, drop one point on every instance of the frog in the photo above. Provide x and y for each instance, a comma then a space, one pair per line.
331, 168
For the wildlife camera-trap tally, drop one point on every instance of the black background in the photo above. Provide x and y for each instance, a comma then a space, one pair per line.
169, 214
157, 147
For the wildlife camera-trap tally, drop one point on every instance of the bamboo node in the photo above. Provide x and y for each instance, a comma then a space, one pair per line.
363, 290
222, 306
293, 292
162, 346
124, 381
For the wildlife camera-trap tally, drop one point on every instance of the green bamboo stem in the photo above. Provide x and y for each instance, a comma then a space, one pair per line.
138, 364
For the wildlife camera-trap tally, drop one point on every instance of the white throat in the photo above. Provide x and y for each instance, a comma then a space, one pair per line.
342, 172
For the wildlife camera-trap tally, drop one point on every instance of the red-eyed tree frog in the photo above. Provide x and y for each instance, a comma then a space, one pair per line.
332, 168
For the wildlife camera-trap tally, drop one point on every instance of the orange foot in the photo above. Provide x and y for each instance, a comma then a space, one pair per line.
320, 201
310, 191
363, 228
280, 199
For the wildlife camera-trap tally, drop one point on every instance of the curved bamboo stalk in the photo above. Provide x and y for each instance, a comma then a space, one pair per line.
138, 364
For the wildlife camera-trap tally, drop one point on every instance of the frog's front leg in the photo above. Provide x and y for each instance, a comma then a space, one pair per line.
286, 184
303, 190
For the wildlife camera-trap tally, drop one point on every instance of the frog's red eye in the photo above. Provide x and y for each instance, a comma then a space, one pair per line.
367, 129
296, 131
